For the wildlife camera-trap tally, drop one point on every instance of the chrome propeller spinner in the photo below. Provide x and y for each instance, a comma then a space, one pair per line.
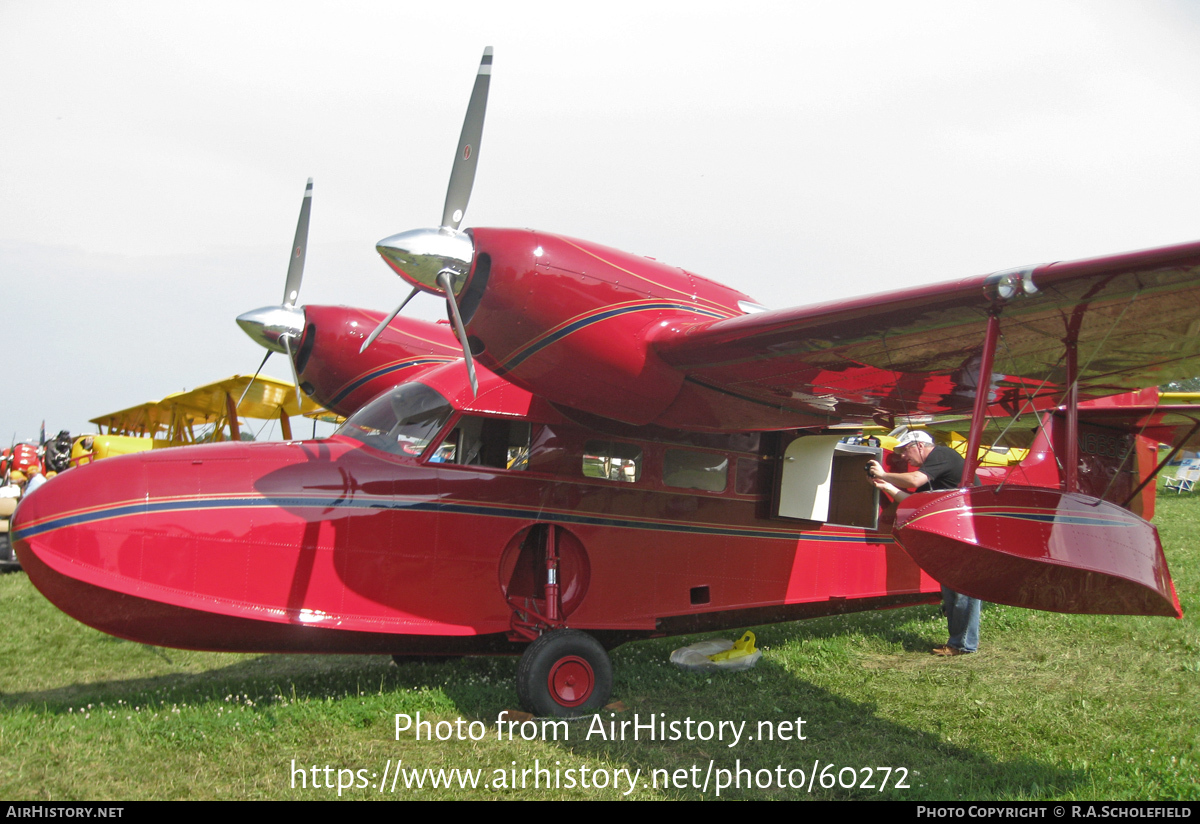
438, 260
276, 328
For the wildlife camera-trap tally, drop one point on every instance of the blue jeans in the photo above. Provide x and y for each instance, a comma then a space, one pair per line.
962, 614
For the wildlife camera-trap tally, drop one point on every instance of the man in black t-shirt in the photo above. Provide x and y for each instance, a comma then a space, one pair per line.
937, 468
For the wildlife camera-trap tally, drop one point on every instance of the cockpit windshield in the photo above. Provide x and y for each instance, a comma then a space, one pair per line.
402, 422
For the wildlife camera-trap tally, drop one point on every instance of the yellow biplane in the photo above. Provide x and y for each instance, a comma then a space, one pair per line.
994, 455
213, 412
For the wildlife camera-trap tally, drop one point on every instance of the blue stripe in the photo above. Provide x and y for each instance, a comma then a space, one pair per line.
386, 370
448, 507
516, 361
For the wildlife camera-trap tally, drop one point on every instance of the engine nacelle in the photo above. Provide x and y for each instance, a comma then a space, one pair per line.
338, 377
573, 321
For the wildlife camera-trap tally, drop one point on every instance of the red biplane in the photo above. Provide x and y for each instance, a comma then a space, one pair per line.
600, 447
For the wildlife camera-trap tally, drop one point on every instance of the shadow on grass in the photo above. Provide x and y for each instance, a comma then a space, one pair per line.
311, 677
839, 732
470, 682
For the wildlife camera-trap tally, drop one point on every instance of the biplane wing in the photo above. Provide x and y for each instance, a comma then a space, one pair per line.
147, 419
211, 403
265, 398
1135, 319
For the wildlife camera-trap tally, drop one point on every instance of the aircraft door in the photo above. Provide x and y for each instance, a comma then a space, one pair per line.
822, 479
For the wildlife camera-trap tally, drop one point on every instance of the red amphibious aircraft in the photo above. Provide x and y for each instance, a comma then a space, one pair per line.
600, 447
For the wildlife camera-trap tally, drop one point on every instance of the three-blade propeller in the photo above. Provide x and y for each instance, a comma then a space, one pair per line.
277, 327
439, 260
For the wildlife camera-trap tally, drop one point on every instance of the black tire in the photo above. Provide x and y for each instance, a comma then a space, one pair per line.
564, 673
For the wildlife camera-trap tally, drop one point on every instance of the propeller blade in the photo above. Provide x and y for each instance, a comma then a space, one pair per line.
387, 320
287, 345
295, 274
443, 279
462, 174
252, 380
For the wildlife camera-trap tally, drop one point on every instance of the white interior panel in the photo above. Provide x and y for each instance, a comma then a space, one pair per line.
807, 469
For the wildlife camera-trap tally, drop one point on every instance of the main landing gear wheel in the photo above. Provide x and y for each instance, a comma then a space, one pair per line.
563, 673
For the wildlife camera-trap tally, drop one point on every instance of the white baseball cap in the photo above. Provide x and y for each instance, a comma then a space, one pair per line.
914, 436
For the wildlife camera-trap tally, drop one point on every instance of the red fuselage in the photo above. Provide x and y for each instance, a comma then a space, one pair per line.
338, 546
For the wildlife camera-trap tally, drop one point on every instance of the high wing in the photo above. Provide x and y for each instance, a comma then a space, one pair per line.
638, 341
634, 340
1134, 317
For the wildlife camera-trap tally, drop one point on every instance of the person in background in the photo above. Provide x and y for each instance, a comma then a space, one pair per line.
28, 480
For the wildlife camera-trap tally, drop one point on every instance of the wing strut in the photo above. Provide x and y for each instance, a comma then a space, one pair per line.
1071, 459
235, 434
982, 389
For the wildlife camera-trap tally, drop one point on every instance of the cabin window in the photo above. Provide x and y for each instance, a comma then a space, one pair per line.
477, 441
706, 471
746, 480
612, 460
402, 422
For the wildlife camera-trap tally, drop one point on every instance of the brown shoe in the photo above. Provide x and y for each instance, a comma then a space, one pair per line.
947, 651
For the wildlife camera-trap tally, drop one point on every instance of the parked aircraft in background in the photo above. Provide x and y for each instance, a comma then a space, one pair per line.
206, 414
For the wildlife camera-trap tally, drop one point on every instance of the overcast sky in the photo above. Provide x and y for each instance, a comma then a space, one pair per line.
153, 156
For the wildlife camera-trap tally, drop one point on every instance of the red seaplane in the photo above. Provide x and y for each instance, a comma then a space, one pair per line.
599, 447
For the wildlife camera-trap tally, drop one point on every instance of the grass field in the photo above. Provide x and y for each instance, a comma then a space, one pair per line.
1053, 707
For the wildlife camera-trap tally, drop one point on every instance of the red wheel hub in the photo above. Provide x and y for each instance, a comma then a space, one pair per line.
571, 681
